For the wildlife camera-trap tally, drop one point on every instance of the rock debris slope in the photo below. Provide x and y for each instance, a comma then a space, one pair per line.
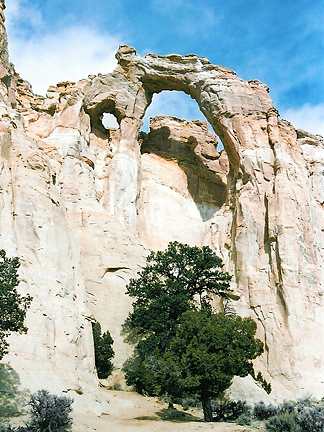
82, 205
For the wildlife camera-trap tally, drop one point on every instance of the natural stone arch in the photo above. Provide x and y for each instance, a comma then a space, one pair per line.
237, 111
228, 102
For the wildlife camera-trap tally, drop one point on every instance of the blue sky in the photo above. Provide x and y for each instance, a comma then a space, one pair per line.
279, 42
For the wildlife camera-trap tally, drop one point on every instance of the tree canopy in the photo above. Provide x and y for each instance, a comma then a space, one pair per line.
13, 306
182, 347
208, 350
172, 282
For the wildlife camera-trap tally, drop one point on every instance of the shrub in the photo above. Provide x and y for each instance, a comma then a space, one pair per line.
142, 135
49, 413
6, 428
263, 412
193, 402
305, 415
244, 419
311, 419
228, 410
286, 407
13, 306
103, 351
305, 402
285, 422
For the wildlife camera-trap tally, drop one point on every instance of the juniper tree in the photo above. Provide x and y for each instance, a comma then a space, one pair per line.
182, 347
13, 306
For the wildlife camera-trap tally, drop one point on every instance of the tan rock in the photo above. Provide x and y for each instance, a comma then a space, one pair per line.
4, 58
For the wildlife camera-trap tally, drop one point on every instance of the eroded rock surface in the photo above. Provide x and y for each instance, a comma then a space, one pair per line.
82, 206
183, 182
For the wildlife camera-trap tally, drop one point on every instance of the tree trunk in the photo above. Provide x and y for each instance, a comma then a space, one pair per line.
208, 414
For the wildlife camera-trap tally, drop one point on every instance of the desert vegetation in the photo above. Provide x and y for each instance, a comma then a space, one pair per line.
48, 413
103, 351
183, 348
186, 352
13, 306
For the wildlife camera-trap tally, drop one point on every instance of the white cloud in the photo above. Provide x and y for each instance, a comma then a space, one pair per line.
20, 11
308, 117
45, 58
69, 55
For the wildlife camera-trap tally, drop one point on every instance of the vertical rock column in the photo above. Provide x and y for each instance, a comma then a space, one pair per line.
123, 175
121, 95
7, 84
4, 59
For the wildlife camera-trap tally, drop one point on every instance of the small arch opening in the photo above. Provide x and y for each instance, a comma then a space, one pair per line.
109, 121
104, 117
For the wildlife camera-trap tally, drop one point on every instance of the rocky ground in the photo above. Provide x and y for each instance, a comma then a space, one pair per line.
130, 412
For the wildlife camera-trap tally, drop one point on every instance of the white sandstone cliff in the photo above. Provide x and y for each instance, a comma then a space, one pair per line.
81, 206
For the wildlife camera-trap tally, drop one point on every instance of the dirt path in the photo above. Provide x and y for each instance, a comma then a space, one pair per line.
130, 412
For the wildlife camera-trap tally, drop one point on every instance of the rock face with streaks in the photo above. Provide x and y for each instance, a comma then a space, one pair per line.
82, 206
183, 182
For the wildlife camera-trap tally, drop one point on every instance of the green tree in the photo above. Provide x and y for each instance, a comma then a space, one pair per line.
183, 348
103, 351
13, 306
207, 351
172, 282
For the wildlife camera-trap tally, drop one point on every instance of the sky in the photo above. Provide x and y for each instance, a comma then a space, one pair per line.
279, 42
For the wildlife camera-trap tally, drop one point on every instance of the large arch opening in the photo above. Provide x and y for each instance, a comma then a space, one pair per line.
183, 169
176, 104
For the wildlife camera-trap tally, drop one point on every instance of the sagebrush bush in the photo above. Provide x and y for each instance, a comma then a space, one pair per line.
49, 413
6, 428
286, 407
261, 411
244, 419
305, 415
285, 422
304, 402
311, 419
9, 428
191, 403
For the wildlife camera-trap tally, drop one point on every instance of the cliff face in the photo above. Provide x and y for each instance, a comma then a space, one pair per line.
82, 206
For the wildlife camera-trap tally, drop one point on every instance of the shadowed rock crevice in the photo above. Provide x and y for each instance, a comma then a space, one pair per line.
194, 148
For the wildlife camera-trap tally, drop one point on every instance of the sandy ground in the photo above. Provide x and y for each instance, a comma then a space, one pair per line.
131, 412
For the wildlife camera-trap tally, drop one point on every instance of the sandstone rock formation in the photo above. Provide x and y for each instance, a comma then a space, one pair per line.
82, 205
183, 182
